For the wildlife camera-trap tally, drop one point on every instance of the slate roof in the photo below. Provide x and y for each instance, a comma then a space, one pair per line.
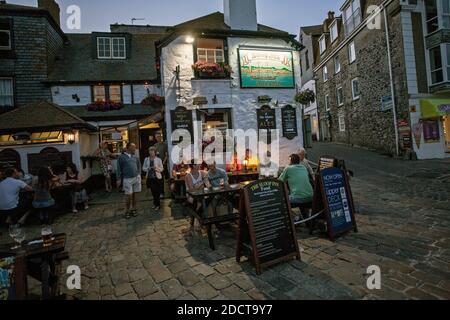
77, 61
128, 112
38, 116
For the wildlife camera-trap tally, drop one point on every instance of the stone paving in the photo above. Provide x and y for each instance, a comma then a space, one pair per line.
406, 233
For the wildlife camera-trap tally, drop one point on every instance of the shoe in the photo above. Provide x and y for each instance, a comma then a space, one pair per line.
74, 211
86, 207
128, 215
134, 213
157, 208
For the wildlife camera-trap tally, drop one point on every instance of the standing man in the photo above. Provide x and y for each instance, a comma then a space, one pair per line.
304, 161
129, 169
162, 153
10, 189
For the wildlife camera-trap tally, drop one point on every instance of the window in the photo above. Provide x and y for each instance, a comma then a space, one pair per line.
6, 92
99, 93
351, 52
340, 96
352, 16
446, 14
337, 65
111, 93
210, 50
437, 71
111, 48
327, 103
5, 35
334, 31
355, 89
325, 73
307, 59
322, 44
432, 16
341, 123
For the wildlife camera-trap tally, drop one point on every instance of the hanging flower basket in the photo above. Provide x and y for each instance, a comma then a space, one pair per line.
207, 70
153, 100
104, 106
305, 97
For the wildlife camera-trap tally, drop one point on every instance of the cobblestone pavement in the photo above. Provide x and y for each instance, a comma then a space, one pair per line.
404, 229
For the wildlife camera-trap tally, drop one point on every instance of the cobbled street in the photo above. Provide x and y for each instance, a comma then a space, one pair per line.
404, 228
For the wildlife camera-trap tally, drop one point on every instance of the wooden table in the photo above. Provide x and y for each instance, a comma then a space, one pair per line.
242, 176
39, 262
211, 199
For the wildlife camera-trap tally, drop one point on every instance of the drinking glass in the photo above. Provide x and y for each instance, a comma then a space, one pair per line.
17, 234
46, 234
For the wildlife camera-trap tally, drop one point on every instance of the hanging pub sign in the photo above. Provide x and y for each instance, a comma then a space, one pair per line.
182, 120
333, 195
267, 119
289, 119
266, 229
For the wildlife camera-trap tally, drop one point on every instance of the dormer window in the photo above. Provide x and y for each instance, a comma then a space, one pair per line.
334, 31
111, 48
352, 16
322, 44
5, 36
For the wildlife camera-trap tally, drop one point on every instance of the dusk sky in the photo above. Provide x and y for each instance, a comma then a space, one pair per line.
97, 15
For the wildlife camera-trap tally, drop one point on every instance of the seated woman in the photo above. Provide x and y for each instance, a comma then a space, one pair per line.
43, 200
78, 193
234, 165
179, 171
195, 181
297, 177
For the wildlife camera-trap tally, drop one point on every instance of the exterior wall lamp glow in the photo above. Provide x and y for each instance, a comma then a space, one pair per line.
71, 137
190, 39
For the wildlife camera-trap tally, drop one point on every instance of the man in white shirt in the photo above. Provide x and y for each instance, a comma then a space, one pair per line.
10, 189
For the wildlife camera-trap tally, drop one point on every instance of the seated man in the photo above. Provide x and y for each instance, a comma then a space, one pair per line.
297, 177
216, 177
10, 189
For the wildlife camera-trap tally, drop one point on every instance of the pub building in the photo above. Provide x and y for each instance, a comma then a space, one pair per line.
222, 69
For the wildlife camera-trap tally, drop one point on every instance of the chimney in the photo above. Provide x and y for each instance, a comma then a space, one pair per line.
52, 7
331, 15
241, 14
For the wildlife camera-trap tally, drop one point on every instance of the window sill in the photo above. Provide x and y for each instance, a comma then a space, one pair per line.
356, 98
211, 79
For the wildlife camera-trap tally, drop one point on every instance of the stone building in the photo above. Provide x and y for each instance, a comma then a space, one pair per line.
231, 101
309, 37
30, 38
373, 77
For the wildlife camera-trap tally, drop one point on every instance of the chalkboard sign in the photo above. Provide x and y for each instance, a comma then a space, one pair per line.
289, 117
267, 119
326, 162
49, 157
9, 158
337, 200
267, 233
182, 120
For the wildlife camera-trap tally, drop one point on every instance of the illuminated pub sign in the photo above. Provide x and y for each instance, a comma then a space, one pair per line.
266, 69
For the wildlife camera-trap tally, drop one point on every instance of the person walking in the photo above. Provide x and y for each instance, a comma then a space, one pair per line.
154, 169
129, 169
104, 155
43, 201
162, 153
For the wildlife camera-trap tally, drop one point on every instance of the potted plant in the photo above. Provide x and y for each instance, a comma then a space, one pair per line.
305, 97
104, 106
153, 100
208, 70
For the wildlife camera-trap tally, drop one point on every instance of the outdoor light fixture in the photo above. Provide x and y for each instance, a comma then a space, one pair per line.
190, 39
71, 137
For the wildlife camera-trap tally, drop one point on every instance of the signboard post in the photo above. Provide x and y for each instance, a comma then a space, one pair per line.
336, 199
266, 228
289, 118
182, 120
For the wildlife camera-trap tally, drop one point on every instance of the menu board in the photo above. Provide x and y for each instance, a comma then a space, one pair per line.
267, 119
49, 157
182, 120
267, 229
289, 117
338, 201
326, 162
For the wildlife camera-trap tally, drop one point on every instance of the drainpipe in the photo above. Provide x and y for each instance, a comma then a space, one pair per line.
391, 75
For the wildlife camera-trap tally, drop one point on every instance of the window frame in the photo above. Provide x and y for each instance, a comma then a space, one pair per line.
440, 15
334, 26
342, 124
340, 103
353, 90
325, 78
107, 92
351, 52
7, 48
307, 63
336, 59
322, 40
353, 16
443, 68
224, 50
111, 48
327, 102
13, 96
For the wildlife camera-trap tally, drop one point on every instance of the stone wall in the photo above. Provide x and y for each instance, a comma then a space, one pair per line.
365, 124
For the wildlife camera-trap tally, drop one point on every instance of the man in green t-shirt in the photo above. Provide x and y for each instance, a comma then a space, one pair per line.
297, 177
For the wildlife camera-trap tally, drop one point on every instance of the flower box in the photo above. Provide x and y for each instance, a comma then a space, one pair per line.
207, 70
104, 106
153, 100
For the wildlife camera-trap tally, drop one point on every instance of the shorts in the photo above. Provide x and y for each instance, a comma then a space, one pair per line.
133, 185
